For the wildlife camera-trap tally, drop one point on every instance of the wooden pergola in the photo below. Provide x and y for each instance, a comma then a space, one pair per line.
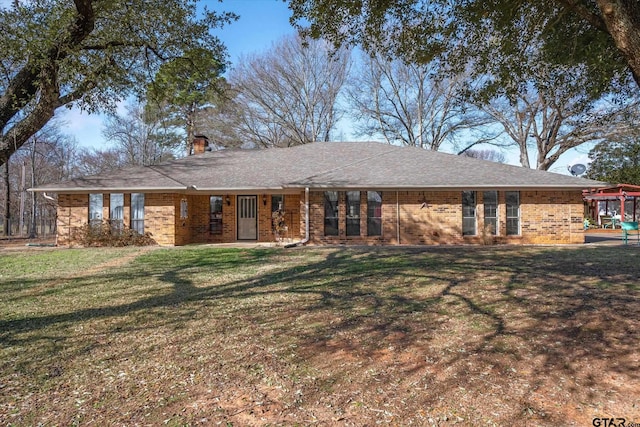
620, 193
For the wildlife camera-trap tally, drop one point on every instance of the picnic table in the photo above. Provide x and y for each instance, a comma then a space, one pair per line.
610, 221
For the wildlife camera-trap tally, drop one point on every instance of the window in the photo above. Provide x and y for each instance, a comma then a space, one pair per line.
278, 224
513, 213
490, 199
353, 213
137, 212
468, 213
184, 209
116, 212
374, 213
215, 216
95, 210
331, 213
277, 202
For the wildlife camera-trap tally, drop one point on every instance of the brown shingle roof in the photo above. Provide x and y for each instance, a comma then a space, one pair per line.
337, 165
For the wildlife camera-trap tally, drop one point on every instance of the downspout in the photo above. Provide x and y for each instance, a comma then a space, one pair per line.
306, 222
397, 218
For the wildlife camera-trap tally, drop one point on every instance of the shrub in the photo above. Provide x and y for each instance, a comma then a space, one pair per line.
105, 234
279, 224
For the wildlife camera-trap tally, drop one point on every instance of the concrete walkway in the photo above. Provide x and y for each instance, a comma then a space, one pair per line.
608, 237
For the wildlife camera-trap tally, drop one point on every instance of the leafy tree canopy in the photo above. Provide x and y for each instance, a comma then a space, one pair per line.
183, 86
188, 79
617, 162
90, 54
504, 41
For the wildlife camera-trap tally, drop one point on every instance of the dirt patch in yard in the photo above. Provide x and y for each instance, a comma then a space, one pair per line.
22, 243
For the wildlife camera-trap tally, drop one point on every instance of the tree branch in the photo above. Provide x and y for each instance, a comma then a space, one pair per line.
38, 78
592, 18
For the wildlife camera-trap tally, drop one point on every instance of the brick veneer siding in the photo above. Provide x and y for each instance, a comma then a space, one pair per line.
552, 217
73, 213
160, 209
196, 229
161, 218
408, 217
435, 217
164, 219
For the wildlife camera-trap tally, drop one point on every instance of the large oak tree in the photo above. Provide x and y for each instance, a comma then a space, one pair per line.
88, 53
602, 37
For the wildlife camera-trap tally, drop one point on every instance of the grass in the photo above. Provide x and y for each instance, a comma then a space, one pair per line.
433, 336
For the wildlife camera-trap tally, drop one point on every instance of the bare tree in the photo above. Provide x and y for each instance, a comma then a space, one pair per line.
92, 161
6, 184
408, 104
288, 95
48, 156
140, 137
221, 121
551, 124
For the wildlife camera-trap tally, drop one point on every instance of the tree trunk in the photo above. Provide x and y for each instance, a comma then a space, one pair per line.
622, 18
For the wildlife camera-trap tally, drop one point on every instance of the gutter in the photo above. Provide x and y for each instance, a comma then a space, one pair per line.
48, 197
306, 222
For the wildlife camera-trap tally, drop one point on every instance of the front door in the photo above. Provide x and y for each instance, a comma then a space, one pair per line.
247, 218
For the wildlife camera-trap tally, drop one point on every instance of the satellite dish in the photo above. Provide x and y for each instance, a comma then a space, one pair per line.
577, 169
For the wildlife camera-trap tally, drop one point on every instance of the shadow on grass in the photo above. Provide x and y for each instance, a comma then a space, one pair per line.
552, 312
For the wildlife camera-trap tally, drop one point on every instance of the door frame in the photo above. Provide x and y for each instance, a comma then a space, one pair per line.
255, 204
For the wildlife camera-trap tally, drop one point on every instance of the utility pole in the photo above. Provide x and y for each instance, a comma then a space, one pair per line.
32, 225
7, 200
23, 180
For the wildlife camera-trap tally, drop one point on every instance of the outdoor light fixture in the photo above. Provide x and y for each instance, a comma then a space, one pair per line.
228, 200
264, 199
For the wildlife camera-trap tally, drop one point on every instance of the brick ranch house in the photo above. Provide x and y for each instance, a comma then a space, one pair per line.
329, 193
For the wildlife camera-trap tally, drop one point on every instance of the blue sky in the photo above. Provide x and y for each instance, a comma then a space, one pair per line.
261, 23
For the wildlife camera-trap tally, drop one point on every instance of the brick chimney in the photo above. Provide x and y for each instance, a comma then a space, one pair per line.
200, 144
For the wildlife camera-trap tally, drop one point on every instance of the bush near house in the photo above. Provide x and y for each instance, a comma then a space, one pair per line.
106, 234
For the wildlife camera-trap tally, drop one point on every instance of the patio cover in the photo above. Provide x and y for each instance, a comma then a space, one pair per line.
620, 192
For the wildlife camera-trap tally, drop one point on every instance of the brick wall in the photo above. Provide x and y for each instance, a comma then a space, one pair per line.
162, 214
291, 218
73, 213
161, 218
195, 227
408, 217
265, 229
435, 217
552, 216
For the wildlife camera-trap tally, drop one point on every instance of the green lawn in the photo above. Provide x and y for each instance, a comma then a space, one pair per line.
319, 336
